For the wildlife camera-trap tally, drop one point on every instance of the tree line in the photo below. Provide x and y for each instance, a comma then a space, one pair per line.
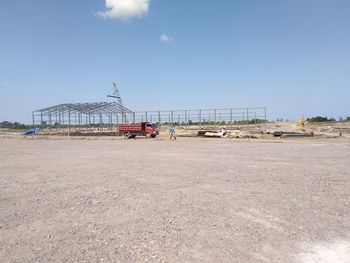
14, 125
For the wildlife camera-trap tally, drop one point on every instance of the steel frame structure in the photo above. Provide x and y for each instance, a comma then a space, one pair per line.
107, 114
81, 114
204, 116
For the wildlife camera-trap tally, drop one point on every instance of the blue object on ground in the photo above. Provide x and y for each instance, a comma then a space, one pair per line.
32, 131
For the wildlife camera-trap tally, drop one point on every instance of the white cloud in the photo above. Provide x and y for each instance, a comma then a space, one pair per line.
165, 38
125, 9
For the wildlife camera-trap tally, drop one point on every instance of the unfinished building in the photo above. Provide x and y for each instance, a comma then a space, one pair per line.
105, 115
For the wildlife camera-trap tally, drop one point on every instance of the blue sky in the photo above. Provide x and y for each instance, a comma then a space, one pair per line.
291, 56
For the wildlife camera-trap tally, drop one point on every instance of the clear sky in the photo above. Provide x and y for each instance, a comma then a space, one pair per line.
292, 56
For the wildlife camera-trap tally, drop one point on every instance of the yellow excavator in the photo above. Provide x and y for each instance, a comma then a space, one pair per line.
301, 123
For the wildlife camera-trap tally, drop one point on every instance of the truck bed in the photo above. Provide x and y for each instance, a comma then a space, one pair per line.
137, 127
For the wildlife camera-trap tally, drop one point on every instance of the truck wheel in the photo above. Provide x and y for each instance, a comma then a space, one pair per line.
153, 136
127, 135
148, 135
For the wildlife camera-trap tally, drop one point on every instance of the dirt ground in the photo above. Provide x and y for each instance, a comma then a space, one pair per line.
190, 200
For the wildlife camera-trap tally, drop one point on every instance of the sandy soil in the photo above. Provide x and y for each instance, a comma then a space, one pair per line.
192, 200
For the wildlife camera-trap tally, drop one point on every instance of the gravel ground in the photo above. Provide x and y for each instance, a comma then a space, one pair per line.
190, 200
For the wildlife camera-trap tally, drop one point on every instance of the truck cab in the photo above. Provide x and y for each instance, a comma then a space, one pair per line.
151, 129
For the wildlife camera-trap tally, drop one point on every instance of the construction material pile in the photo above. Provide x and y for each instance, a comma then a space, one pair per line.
226, 134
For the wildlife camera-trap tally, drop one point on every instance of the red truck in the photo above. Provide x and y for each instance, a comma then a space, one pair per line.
138, 129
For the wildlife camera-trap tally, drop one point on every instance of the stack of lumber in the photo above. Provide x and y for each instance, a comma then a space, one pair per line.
239, 134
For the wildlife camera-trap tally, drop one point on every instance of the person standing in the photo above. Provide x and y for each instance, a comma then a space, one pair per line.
172, 133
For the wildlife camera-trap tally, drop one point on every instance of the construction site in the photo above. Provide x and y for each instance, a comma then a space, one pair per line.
159, 131
233, 185
102, 118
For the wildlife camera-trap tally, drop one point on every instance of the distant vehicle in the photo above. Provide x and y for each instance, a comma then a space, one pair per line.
32, 131
138, 129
